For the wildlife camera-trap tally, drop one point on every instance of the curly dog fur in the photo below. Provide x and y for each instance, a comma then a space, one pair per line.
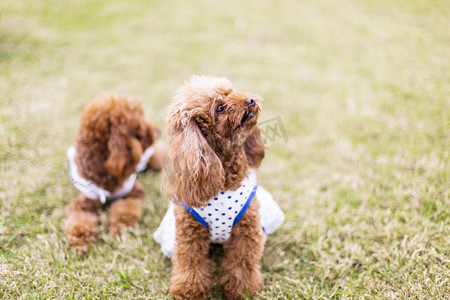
213, 150
112, 137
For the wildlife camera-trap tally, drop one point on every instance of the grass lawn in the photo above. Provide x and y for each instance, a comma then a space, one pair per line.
362, 88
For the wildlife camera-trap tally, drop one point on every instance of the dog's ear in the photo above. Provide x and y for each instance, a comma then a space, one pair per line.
255, 148
148, 134
153, 131
156, 161
124, 153
194, 173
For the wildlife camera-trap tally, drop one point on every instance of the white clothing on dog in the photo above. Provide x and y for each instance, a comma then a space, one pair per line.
222, 213
90, 190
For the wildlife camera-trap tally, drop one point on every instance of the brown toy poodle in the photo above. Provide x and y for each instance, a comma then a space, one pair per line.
215, 147
114, 143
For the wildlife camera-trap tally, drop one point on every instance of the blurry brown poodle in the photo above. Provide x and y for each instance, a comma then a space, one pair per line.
215, 148
113, 144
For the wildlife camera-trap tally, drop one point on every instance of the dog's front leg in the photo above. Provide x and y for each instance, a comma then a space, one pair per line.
191, 274
240, 275
80, 225
126, 212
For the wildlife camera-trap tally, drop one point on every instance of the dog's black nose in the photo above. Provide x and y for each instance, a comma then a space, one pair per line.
250, 101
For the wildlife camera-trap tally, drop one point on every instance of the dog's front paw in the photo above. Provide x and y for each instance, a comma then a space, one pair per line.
80, 249
124, 213
115, 229
239, 283
81, 229
115, 226
190, 286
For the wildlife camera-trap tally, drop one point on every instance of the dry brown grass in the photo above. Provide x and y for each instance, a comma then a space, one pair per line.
362, 88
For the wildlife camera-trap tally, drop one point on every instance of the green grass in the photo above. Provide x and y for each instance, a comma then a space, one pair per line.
362, 88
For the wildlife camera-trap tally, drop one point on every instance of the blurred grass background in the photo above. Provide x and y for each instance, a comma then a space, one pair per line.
362, 88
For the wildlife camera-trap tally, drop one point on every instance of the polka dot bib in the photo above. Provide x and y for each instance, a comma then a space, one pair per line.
224, 210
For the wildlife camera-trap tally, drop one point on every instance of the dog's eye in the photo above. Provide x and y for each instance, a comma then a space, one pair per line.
220, 109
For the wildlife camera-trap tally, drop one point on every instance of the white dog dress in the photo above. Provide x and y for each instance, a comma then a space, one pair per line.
90, 190
223, 212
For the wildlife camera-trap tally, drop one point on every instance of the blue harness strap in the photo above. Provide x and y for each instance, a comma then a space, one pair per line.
195, 215
246, 205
